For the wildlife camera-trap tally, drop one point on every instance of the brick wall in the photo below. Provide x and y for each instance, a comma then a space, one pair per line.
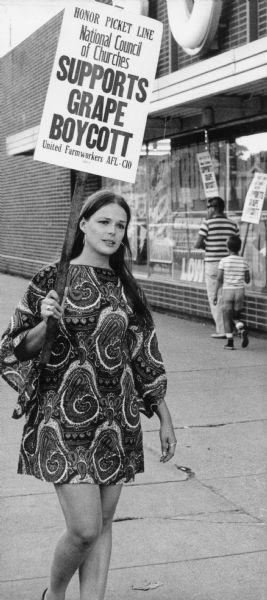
234, 24
25, 76
34, 196
262, 18
193, 302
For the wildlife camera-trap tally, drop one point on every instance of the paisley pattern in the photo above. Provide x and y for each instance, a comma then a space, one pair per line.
83, 409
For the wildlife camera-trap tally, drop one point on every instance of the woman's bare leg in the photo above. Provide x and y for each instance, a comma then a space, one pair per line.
93, 570
82, 509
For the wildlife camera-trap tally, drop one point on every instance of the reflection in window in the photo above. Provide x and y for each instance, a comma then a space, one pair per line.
248, 155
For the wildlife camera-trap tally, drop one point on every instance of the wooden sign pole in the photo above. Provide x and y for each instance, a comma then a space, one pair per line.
60, 285
245, 239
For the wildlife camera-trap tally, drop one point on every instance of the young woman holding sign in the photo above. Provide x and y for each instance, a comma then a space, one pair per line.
83, 408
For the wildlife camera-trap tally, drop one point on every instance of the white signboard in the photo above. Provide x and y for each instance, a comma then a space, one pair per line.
98, 96
254, 199
207, 174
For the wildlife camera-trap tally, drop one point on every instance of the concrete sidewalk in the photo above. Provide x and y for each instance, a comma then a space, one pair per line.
195, 528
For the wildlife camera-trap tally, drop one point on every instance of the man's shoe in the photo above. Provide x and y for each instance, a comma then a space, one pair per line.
244, 338
219, 336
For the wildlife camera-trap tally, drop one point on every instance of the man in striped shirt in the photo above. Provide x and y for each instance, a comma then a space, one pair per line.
212, 237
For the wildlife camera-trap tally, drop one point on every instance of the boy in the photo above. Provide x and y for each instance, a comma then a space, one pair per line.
233, 273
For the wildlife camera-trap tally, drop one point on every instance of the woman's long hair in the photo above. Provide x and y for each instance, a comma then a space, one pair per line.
121, 260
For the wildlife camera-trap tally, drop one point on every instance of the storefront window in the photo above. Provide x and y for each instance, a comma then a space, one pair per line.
168, 204
177, 206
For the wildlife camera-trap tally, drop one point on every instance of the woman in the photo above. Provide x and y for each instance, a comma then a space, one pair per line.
83, 409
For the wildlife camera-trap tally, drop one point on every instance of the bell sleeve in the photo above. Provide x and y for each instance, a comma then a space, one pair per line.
21, 376
146, 362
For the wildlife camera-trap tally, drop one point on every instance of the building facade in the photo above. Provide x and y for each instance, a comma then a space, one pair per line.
212, 98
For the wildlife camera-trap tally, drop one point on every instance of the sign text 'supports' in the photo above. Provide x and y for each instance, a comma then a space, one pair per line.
97, 101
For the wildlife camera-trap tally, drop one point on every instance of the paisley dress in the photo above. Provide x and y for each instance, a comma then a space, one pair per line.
83, 409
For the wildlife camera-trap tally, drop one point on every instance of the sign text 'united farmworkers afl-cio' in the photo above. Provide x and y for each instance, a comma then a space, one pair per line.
98, 96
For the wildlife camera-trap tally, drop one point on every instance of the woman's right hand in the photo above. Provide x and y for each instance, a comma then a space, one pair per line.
50, 306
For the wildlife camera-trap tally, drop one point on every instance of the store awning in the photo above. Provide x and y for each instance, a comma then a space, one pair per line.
233, 83
242, 70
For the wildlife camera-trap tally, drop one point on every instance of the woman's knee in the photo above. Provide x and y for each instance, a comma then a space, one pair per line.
83, 534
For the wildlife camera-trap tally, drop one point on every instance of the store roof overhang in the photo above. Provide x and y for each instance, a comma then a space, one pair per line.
228, 87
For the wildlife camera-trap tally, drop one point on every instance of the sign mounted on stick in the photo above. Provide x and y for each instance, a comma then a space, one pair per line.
207, 174
254, 199
99, 92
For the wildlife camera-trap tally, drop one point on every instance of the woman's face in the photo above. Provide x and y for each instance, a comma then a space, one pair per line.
104, 230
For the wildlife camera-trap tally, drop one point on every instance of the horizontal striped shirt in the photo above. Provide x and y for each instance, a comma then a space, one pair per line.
234, 268
216, 232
